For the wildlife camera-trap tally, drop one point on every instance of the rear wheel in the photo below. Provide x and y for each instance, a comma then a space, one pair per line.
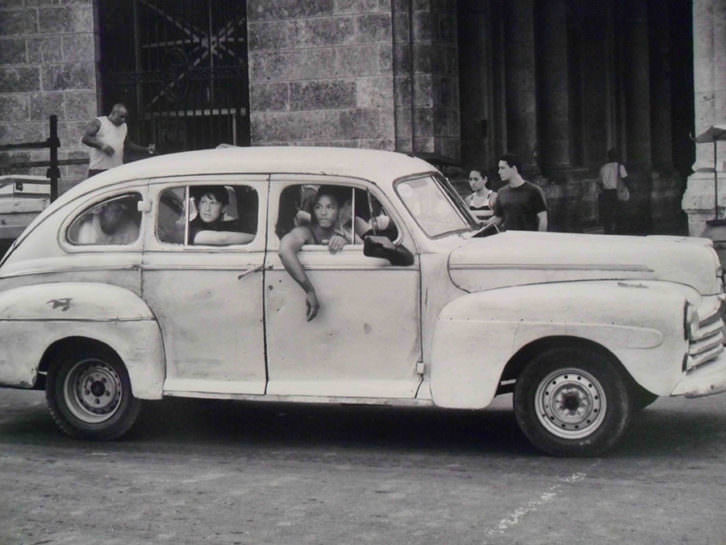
89, 396
572, 401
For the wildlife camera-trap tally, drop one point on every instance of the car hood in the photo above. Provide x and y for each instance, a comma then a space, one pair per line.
521, 257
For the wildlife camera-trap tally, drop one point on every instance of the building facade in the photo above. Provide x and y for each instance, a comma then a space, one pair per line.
558, 82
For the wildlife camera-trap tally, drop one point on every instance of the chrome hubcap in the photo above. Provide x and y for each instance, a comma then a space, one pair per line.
92, 390
570, 403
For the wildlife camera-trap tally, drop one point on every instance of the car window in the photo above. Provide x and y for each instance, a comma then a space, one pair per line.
207, 215
358, 212
115, 221
427, 201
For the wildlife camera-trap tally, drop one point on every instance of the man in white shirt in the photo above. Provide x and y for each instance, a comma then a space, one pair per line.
610, 206
107, 137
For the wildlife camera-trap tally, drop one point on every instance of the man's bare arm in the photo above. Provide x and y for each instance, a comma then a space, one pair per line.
90, 138
133, 146
542, 221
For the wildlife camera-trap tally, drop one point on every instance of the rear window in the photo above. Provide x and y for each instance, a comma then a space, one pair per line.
115, 222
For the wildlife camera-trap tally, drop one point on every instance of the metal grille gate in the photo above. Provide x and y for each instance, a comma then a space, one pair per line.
181, 68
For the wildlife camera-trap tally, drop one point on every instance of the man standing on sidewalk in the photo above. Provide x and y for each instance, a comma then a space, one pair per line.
520, 205
107, 137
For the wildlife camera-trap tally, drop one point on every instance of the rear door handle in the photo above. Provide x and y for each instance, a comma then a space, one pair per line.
241, 275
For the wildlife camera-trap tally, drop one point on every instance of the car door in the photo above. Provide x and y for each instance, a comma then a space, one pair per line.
365, 340
207, 297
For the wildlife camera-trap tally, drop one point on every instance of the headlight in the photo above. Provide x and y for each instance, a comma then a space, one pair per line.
690, 322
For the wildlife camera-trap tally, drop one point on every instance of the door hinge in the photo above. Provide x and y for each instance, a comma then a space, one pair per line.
420, 368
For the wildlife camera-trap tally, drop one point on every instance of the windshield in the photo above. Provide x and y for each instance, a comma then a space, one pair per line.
433, 207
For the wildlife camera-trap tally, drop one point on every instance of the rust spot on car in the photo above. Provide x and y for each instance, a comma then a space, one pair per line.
63, 304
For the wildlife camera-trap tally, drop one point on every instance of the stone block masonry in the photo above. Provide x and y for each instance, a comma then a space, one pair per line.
47, 66
339, 72
320, 73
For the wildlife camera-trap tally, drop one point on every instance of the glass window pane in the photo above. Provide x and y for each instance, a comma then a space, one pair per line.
428, 204
171, 218
115, 221
222, 215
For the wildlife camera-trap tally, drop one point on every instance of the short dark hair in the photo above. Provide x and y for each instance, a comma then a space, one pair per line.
325, 191
219, 192
512, 160
613, 154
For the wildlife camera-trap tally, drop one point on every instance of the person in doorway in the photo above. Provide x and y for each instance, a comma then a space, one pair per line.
610, 200
107, 137
520, 205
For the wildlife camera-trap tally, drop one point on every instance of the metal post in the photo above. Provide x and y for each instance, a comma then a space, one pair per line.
53, 172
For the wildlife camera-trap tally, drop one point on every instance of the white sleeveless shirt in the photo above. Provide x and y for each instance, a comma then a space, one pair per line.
114, 136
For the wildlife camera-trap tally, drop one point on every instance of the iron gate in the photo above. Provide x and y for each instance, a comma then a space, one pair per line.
180, 66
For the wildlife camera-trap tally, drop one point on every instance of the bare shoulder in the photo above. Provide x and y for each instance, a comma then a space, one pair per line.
302, 234
93, 127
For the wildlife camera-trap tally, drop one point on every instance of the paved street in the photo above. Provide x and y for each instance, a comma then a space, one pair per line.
196, 472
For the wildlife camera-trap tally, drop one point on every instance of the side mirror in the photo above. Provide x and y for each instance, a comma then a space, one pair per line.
487, 231
379, 246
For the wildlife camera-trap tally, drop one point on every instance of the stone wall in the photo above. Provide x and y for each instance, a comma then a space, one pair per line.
321, 72
433, 53
709, 55
325, 72
47, 66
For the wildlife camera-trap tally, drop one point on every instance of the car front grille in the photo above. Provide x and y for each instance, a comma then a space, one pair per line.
708, 342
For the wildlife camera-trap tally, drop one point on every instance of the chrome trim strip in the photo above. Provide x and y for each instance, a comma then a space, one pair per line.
550, 267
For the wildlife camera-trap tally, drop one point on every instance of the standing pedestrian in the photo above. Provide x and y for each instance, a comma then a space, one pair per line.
107, 137
520, 205
613, 192
481, 200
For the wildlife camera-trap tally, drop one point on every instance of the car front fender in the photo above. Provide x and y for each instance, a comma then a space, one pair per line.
33, 318
640, 323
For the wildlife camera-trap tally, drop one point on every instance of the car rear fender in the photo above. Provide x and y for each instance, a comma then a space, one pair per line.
36, 318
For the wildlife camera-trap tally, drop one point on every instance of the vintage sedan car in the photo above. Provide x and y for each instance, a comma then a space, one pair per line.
112, 296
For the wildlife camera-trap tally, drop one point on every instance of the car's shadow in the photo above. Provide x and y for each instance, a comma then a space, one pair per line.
280, 425
175, 423
196, 424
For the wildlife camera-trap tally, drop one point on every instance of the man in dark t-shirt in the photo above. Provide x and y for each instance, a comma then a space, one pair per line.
520, 205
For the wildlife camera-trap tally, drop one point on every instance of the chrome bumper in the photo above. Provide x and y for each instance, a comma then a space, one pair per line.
706, 379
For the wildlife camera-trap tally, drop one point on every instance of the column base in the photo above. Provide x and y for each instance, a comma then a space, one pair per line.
698, 204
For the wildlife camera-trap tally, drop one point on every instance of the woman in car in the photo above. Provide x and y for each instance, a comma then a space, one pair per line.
210, 227
323, 229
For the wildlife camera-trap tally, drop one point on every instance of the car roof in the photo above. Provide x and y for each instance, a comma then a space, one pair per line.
379, 166
376, 165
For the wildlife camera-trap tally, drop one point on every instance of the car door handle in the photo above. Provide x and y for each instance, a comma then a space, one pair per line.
241, 275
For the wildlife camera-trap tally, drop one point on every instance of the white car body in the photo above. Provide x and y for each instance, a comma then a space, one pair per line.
452, 329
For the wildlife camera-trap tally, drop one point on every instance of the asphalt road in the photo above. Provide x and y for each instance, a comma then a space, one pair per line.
195, 472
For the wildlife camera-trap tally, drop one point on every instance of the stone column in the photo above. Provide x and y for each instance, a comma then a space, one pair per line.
554, 86
637, 84
709, 56
660, 61
520, 81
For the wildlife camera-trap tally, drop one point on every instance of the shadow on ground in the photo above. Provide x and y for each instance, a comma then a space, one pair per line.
194, 425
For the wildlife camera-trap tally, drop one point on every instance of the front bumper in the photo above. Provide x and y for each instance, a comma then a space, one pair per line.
706, 379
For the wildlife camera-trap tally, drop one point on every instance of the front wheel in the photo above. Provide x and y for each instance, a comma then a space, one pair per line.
572, 402
89, 396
